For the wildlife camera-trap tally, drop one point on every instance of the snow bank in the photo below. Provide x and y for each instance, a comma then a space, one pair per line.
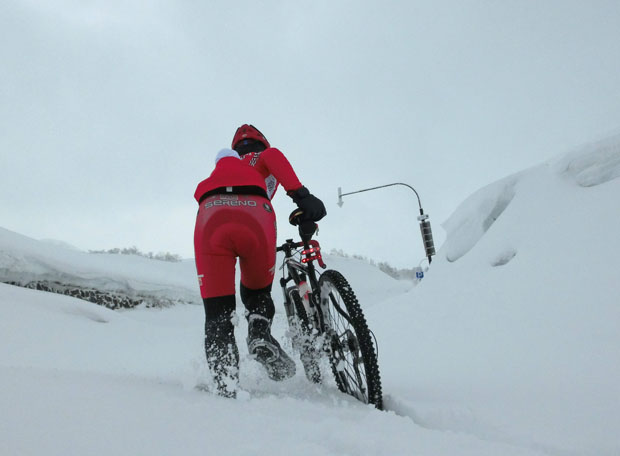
513, 334
476, 215
113, 280
593, 164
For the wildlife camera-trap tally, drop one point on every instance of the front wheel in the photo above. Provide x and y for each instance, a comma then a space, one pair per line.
352, 354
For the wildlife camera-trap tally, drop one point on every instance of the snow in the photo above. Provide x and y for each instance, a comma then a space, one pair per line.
25, 260
508, 346
514, 330
593, 164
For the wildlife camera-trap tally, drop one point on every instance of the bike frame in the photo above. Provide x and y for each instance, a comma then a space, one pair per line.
300, 272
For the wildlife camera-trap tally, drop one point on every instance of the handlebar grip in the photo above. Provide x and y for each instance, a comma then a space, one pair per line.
307, 228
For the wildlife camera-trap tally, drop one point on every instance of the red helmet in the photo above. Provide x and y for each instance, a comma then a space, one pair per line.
246, 131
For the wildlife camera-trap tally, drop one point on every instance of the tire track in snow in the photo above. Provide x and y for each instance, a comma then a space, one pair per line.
463, 420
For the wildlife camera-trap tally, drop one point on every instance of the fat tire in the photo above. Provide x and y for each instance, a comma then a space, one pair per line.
357, 321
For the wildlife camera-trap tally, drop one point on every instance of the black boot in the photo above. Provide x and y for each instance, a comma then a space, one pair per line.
261, 345
220, 346
266, 350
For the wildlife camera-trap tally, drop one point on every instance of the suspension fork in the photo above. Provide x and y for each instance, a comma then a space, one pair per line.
288, 304
284, 280
316, 292
293, 275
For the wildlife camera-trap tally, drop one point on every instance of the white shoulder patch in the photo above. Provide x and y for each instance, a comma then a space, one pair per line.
271, 183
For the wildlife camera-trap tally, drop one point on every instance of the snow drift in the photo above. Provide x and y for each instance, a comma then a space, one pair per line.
114, 281
513, 335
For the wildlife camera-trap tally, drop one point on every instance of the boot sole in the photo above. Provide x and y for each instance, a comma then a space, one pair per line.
278, 368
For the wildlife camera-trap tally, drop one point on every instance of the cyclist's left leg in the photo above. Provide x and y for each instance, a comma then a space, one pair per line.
215, 264
257, 257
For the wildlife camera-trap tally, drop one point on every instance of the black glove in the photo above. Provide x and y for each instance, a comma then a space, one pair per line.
313, 208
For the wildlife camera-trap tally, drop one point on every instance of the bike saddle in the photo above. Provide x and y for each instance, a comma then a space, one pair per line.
307, 228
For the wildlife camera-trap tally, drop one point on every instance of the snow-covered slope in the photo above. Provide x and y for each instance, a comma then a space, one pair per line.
509, 346
45, 264
514, 335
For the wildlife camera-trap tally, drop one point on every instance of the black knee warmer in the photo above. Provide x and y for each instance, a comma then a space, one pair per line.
218, 311
219, 307
258, 301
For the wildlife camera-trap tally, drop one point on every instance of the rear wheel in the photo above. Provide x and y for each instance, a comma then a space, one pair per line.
352, 354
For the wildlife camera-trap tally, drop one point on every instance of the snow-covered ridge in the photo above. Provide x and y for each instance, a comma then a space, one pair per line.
593, 164
587, 166
114, 281
514, 331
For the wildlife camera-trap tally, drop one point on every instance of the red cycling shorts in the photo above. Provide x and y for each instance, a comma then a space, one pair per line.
231, 226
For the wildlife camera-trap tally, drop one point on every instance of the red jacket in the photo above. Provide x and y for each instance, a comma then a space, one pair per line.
275, 169
230, 172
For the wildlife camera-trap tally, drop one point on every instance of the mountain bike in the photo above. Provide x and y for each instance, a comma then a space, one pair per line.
325, 319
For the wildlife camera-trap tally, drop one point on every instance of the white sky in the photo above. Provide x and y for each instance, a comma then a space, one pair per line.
112, 111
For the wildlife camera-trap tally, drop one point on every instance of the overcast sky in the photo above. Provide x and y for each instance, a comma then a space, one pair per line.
112, 111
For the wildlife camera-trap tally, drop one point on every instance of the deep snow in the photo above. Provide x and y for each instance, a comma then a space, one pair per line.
509, 346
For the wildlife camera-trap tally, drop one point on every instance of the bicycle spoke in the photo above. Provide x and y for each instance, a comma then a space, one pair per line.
360, 391
351, 350
352, 371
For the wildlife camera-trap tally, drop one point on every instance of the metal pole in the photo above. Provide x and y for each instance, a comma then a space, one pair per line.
425, 224
340, 194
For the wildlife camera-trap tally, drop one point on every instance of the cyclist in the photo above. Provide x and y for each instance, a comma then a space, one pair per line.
236, 219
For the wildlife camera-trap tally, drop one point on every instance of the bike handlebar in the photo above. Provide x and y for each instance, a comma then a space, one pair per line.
289, 245
311, 251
